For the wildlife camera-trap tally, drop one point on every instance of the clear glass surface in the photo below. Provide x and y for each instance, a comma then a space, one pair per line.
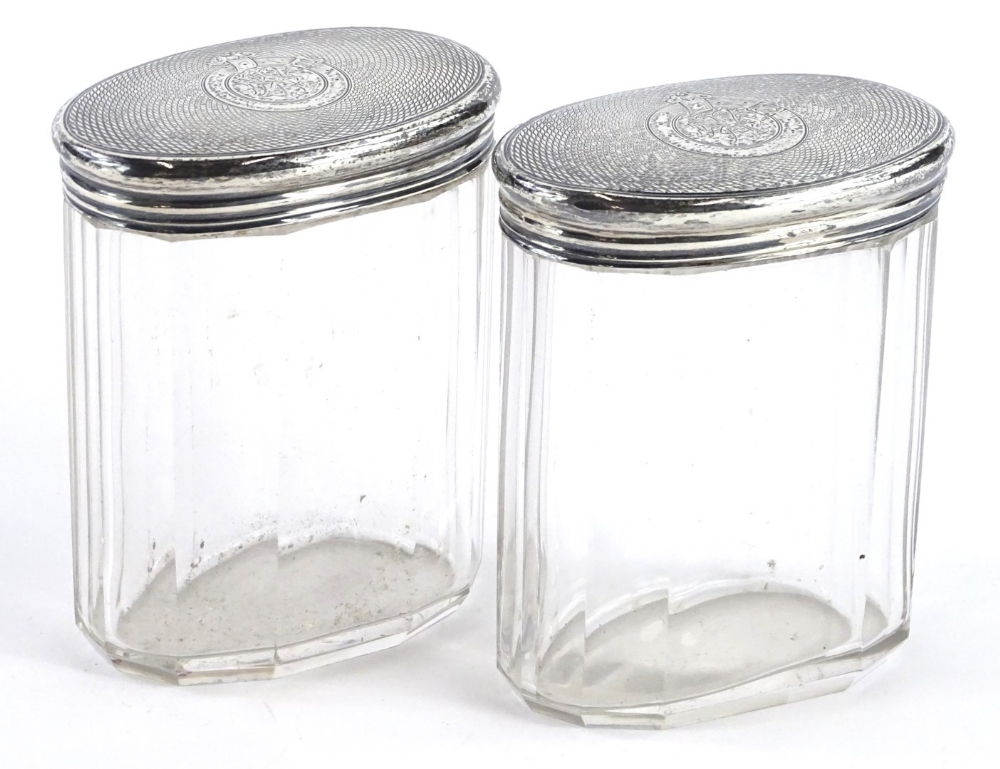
709, 479
277, 440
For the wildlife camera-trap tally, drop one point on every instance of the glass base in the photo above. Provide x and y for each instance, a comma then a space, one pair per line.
263, 613
648, 667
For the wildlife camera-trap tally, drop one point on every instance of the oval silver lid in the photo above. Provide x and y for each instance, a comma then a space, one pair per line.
714, 173
276, 130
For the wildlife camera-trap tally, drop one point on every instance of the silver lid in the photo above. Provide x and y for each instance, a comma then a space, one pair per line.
721, 172
276, 130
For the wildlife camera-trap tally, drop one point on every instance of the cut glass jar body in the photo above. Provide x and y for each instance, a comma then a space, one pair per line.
716, 310
710, 478
276, 439
276, 252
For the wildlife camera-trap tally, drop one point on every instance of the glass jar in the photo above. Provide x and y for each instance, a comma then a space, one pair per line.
716, 306
275, 251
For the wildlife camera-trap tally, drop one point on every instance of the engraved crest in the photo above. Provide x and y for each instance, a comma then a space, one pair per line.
274, 83
702, 123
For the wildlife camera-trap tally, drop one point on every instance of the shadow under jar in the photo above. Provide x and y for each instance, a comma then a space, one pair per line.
277, 438
716, 306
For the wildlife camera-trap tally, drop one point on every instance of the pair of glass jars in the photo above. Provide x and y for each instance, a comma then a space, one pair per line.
713, 306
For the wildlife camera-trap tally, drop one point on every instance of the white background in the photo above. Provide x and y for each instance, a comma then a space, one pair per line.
438, 700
